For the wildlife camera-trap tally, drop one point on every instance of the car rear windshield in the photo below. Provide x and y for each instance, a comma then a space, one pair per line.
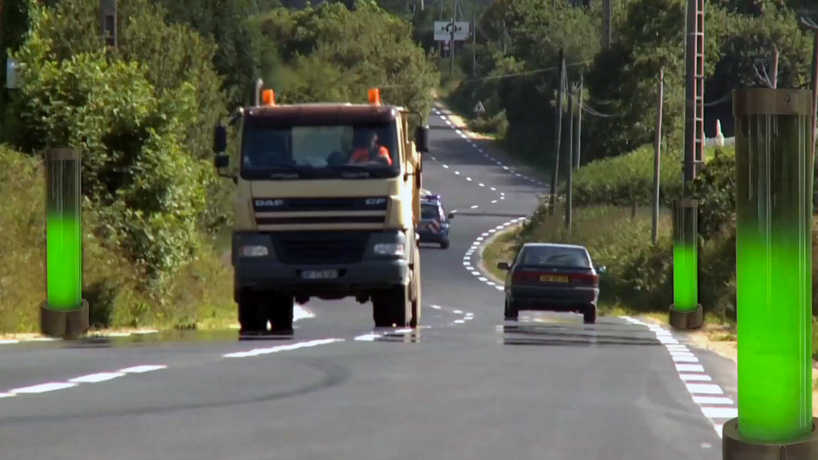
429, 211
554, 256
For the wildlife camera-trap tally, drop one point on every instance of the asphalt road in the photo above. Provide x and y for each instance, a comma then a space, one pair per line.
465, 385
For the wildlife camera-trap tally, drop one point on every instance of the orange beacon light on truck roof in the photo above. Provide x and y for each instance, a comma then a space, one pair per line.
268, 97
374, 96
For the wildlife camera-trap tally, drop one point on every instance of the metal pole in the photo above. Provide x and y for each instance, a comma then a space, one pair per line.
814, 92
557, 135
774, 178
451, 40
690, 94
579, 120
607, 11
440, 43
474, 45
657, 151
108, 17
569, 180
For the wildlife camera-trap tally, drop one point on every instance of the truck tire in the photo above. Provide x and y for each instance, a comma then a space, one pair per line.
280, 313
252, 319
391, 307
416, 304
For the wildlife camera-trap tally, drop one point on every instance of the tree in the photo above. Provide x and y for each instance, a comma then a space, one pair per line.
324, 64
135, 134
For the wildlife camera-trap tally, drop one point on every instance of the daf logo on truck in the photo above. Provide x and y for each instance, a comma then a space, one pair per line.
269, 203
351, 175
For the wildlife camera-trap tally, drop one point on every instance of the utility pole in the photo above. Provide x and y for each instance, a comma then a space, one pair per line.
579, 120
607, 12
474, 45
557, 135
108, 17
657, 151
451, 40
440, 43
569, 194
809, 24
694, 91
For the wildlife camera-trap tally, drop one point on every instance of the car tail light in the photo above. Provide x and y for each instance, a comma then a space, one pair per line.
525, 277
584, 278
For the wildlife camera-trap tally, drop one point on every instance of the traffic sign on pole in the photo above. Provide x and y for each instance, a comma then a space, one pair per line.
443, 30
479, 109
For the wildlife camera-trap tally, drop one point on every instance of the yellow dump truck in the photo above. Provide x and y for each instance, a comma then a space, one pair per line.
327, 200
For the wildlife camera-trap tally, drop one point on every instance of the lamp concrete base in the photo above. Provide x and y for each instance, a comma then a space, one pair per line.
64, 323
734, 447
691, 319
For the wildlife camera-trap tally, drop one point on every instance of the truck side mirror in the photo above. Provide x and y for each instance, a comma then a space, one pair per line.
219, 139
221, 161
422, 139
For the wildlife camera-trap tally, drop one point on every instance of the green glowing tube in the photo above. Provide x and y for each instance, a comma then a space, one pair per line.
685, 255
774, 264
64, 311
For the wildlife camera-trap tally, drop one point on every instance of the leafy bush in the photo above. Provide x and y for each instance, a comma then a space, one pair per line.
200, 290
627, 180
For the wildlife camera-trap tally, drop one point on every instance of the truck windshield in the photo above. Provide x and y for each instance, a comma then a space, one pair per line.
355, 151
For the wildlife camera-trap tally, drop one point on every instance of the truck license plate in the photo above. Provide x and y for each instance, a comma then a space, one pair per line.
319, 274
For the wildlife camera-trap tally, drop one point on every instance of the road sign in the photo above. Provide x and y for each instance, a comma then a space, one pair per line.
443, 30
479, 109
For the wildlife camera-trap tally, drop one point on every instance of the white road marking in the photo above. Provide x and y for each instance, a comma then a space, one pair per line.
704, 388
481, 184
445, 166
712, 400
142, 369
720, 412
690, 368
706, 395
468, 179
695, 377
493, 201
95, 378
457, 173
43, 388
474, 206
436, 307
9, 341
289, 347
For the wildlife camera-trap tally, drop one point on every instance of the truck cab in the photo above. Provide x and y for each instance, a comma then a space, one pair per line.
328, 197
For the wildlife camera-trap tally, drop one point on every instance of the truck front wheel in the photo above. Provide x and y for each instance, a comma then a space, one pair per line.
251, 313
280, 313
390, 307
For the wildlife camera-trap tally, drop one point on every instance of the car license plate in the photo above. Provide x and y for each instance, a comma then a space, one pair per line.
319, 274
553, 279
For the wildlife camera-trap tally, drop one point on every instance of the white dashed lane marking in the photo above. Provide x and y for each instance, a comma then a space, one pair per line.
71, 383
708, 396
280, 348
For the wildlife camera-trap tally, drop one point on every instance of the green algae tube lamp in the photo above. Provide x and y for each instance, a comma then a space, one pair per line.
65, 312
686, 312
774, 175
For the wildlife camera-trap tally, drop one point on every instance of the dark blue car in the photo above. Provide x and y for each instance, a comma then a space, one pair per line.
434, 222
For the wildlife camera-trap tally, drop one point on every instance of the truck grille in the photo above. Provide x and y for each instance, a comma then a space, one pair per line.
320, 247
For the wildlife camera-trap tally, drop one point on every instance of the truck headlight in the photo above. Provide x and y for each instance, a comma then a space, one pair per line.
390, 249
254, 250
